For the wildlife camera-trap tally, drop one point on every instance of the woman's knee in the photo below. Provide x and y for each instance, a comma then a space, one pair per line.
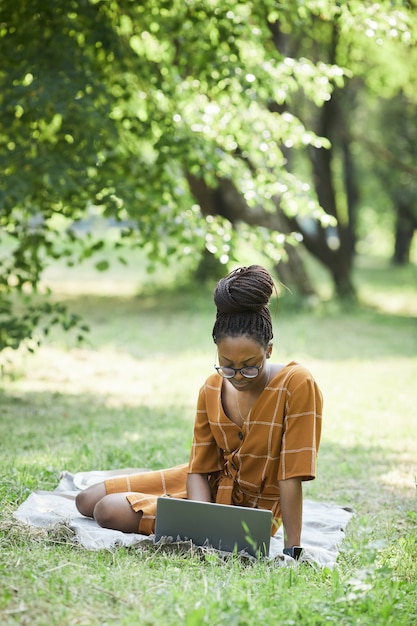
86, 500
104, 513
114, 511
84, 504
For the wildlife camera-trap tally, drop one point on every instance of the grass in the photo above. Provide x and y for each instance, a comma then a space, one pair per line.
126, 399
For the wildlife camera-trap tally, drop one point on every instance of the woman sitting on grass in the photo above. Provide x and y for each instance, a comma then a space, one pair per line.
256, 433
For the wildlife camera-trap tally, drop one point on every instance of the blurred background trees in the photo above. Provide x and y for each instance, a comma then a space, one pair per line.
196, 125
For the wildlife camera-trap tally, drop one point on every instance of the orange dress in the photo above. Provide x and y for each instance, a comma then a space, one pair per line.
278, 440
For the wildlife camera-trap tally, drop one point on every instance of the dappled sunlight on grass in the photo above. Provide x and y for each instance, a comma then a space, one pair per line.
398, 304
117, 376
389, 289
365, 476
370, 405
119, 280
363, 405
401, 478
127, 398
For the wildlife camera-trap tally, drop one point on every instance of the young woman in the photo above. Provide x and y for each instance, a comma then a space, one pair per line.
256, 433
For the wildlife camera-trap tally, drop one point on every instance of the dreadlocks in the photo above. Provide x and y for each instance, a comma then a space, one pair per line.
242, 299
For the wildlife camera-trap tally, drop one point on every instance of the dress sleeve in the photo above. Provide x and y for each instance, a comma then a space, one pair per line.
302, 427
206, 456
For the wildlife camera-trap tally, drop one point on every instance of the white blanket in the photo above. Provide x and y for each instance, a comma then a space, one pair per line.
323, 524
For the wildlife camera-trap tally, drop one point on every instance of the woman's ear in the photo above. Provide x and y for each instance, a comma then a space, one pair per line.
269, 350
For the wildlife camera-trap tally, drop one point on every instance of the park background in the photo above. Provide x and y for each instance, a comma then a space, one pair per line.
147, 149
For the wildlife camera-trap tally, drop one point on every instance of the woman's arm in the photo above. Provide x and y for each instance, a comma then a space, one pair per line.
291, 494
198, 487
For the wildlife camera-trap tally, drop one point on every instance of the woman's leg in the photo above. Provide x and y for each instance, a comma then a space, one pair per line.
114, 511
107, 502
110, 511
87, 499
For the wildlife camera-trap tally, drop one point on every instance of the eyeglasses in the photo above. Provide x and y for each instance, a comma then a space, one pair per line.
251, 371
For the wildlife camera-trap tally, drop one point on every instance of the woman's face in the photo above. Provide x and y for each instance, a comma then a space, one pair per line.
240, 352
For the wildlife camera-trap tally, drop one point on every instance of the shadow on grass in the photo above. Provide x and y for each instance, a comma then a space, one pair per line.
172, 323
372, 479
45, 433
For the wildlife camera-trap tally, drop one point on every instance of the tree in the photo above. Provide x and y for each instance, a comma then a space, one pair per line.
385, 138
125, 109
362, 38
395, 163
113, 104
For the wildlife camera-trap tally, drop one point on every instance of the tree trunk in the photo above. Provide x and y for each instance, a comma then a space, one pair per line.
352, 191
292, 273
404, 232
333, 248
209, 268
229, 203
336, 257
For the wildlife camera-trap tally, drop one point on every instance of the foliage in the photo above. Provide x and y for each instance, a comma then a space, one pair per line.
35, 317
112, 109
108, 108
363, 39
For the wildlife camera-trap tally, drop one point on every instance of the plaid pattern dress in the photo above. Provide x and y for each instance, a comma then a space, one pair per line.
278, 440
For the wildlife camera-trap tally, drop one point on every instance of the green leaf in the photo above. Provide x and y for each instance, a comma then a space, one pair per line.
102, 266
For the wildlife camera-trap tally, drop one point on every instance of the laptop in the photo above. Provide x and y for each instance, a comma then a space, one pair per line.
221, 526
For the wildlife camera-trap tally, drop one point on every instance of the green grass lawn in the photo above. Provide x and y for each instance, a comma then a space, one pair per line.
126, 398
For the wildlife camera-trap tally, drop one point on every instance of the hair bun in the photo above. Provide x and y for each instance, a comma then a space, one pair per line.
244, 289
